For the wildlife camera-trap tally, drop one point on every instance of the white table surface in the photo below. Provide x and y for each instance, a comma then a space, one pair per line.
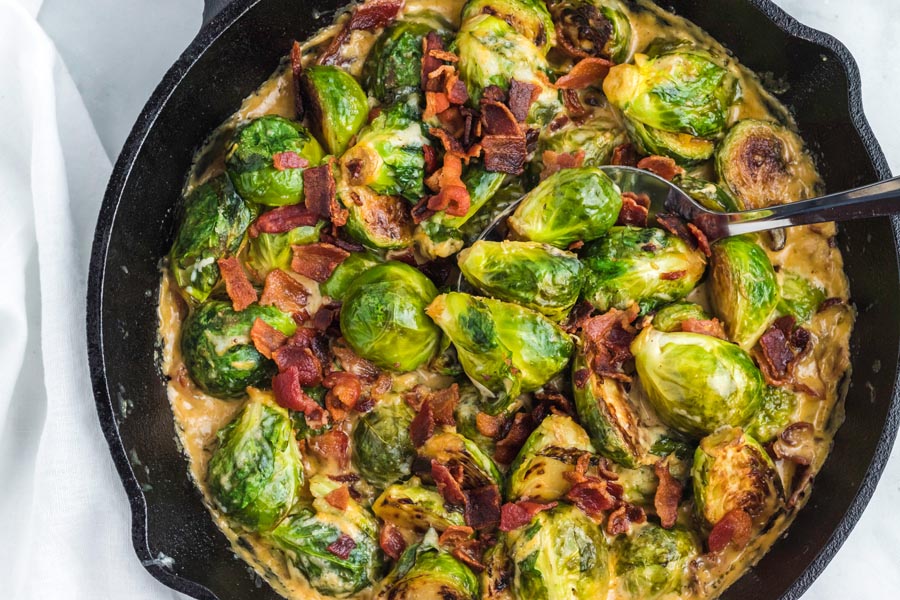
118, 50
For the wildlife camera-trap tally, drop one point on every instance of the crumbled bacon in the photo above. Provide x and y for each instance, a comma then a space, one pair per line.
323, 318
283, 219
353, 363
347, 245
435, 103
482, 507
711, 327
238, 287
587, 71
289, 394
342, 547
332, 445
506, 449
504, 153
735, 527
443, 403
521, 96
551, 403
284, 292
622, 518
495, 93
317, 261
497, 119
668, 495
296, 72
672, 275
455, 534
453, 196
573, 105
372, 14
447, 485
305, 363
592, 496
581, 377
701, 239
321, 196
607, 341
677, 227
339, 497
422, 426
488, 425
780, 347
556, 161
624, 155
796, 443
266, 339
578, 316
635, 209
518, 514
391, 540
288, 160
432, 44
344, 391
663, 166
456, 90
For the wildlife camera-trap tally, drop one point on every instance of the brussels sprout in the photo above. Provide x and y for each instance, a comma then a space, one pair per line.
594, 27
654, 561
528, 17
733, 471
466, 413
800, 298
669, 318
412, 506
710, 195
347, 272
551, 451
426, 570
571, 205
269, 251
496, 579
388, 155
505, 349
610, 417
383, 317
492, 52
255, 473
456, 451
775, 412
376, 221
642, 265
302, 430
561, 555
743, 289
250, 160
597, 138
215, 219
307, 535
499, 204
666, 446
764, 164
218, 353
382, 451
697, 383
534, 275
336, 105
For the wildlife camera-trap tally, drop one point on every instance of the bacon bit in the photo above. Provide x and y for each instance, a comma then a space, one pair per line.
672, 275
431, 43
497, 119
332, 445
796, 443
504, 153
828, 303
430, 159
342, 547
465, 554
266, 339
456, 534
323, 318
494, 92
239, 288
435, 103
521, 96
506, 449
370, 15
288, 160
443, 55
700, 237
296, 72
734, 527
668, 495
352, 363
587, 71
635, 209
519, 514
456, 90
448, 487
443, 403
344, 391
391, 540
663, 166
453, 197
592, 496
290, 395
489, 426
775, 357
482, 507
677, 227
339, 497
422, 426
621, 519
607, 342
551, 403
624, 155
581, 377
557, 161
320, 194
578, 316
317, 261
573, 105
576, 245
307, 365
283, 219
712, 327
284, 292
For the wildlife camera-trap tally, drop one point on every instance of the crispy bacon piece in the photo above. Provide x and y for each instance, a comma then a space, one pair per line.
796, 443
455, 535
339, 497
506, 449
289, 394
488, 425
663, 166
447, 485
443, 403
266, 339
592, 496
557, 161
700, 237
482, 507
317, 261
734, 527
621, 519
668, 495
456, 90
711, 327
459, 538
321, 196
323, 318
677, 227
239, 288
504, 153
347, 245
431, 44
578, 316
635, 209
574, 107
342, 547
307, 365
282, 219
453, 196
288, 160
521, 96
344, 391
370, 15
607, 341
332, 445
672, 275
284, 292
624, 155
519, 514
587, 71
497, 119
391, 540
352, 363
296, 72
422, 426
779, 349
435, 103
551, 403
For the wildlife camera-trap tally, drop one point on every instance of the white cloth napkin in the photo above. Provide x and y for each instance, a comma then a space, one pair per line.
64, 518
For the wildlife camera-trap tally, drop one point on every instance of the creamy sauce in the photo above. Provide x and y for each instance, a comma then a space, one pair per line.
808, 252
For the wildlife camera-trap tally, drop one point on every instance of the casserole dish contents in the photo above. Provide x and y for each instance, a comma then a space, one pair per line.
609, 407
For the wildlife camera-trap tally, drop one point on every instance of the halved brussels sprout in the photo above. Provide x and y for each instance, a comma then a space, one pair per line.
269, 251
218, 353
551, 451
561, 555
307, 537
374, 220
255, 473
458, 452
505, 349
426, 570
669, 318
800, 298
466, 414
697, 383
684, 148
571, 205
347, 272
411, 505
383, 317
642, 265
594, 27
776, 411
528, 17
534, 275
336, 105
764, 163
743, 289
597, 138
496, 579
388, 155
710, 195
733, 471
382, 450
250, 160
215, 220
654, 562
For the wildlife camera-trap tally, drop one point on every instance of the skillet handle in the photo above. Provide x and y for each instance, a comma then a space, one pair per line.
211, 8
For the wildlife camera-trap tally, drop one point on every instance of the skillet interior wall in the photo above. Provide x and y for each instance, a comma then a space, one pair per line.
215, 82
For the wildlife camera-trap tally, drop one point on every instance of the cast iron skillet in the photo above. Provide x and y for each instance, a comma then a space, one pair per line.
237, 50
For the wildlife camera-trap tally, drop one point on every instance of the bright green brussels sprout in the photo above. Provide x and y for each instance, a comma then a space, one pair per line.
347, 272
336, 105
213, 226
594, 27
382, 450
255, 473
374, 220
492, 52
218, 353
307, 535
561, 555
743, 289
776, 411
733, 471
800, 298
498, 204
710, 195
642, 265
388, 155
684, 148
654, 561
269, 251
528, 17
597, 138
426, 570
571, 205
383, 317
505, 349
534, 275
411, 505
551, 451
764, 164
669, 318
697, 383
456, 451
250, 160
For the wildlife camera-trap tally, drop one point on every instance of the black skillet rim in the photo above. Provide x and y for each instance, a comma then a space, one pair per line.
206, 36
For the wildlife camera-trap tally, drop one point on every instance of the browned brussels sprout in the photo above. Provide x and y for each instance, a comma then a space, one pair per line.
336, 105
